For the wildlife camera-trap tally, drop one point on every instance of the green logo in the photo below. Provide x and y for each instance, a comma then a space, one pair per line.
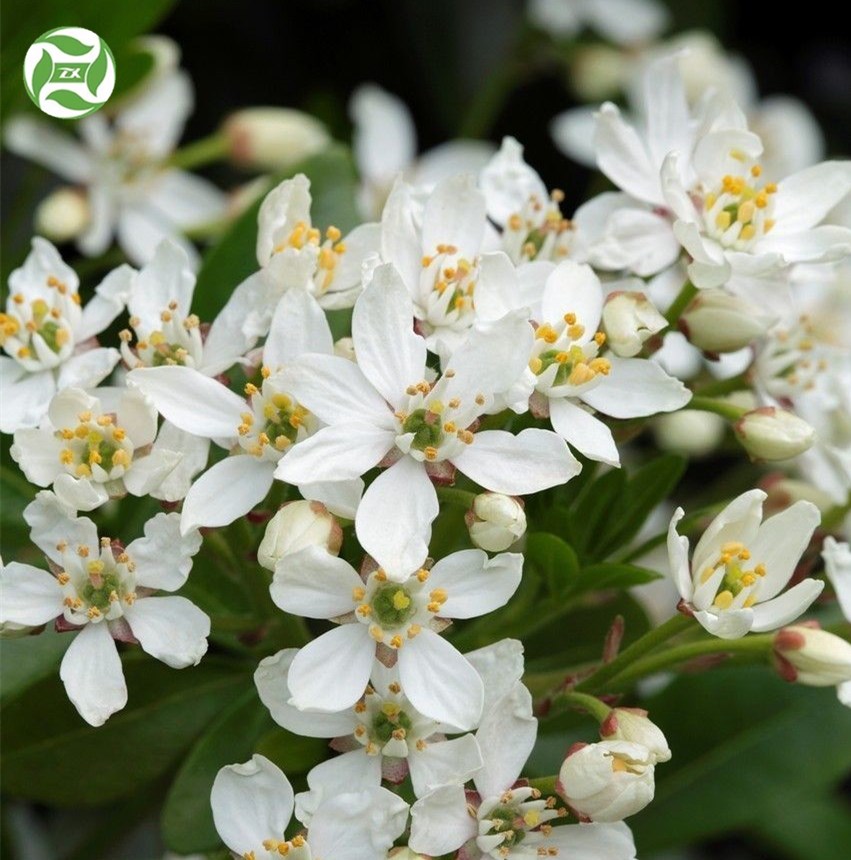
69, 72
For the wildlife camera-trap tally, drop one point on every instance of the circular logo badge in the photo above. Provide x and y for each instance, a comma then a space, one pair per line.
69, 72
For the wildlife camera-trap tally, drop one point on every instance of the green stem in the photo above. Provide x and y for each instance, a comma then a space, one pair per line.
639, 648
200, 152
754, 646
545, 784
685, 295
724, 386
453, 496
719, 407
590, 704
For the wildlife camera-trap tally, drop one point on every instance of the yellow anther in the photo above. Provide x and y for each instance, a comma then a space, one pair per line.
364, 610
746, 211
546, 333
298, 842
166, 316
250, 389
759, 570
532, 818
761, 200
724, 599
515, 222
282, 401
121, 458
247, 418
421, 744
94, 457
414, 630
438, 595
768, 224
707, 574
535, 365
771, 188
83, 551
93, 612
333, 233
63, 578
396, 641
465, 436
113, 597
430, 452
66, 456
581, 374
756, 170
723, 220
744, 554
376, 632
24, 352
749, 600
18, 298
243, 429
400, 734
450, 427
748, 232
422, 574
748, 579
480, 399
265, 372
600, 338
433, 607
83, 471
455, 402
380, 575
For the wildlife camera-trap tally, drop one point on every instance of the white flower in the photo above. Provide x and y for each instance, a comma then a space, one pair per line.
91, 449
567, 371
769, 433
298, 525
132, 192
293, 254
273, 138
49, 338
496, 521
253, 804
633, 725
260, 431
837, 566
384, 144
62, 215
624, 22
104, 591
397, 608
501, 819
740, 565
383, 736
384, 409
607, 781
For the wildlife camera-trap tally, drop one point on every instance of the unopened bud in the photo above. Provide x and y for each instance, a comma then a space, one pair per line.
717, 321
807, 655
270, 138
632, 724
63, 215
404, 853
629, 319
783, 492
495, 521
345, 348
298, 525
607, 781
598, 72
770, 433
689, 432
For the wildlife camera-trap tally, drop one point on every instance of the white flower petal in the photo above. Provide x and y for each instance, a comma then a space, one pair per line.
623, 158
594, 841
171, 629
806, 197
163, 557
579, 428
384, 140
78, 493
353, 770
393, 522
506, 736
109, 300
166, 278
577, 289
194, 451
68, 404
636, 387
529, 462
499, 666
85, 369
455, 214
42, 142
314, 583
331, 673
440, 823
138, 416
92, 674
726, 624
390, 353
508, 182
191, 401
25, 396
739, 521
826, 242
450, 762
226, 492
474, 583
627, 22
52, 523
786, 607
272, 681
837, 563
186, 200
400, 240
283, 208
251, 802
439, 682
140, 230
29, 596
450, 159
665, 105
298, 326
678, 566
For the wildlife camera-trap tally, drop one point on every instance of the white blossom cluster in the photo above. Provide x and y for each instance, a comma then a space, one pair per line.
494, 336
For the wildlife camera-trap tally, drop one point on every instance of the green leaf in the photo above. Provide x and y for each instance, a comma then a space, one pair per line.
332, 186
555, 559
187, 819
612, 575
97, 71
25, 661
599, 503
41, 73
68, 44
293, 754
167, 710
71, 100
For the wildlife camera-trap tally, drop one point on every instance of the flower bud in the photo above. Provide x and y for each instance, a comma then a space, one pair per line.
404, 853
598, 72
633, 725
607, 781
63, 215
689, 432
717, 321
270, 138
495, 521
807, 655
770, 433
629, 319
783, 492
298, 525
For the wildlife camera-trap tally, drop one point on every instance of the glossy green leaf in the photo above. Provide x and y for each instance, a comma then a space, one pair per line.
292, 753
25, 661
555, 559
167, 710
187, 819
611, 575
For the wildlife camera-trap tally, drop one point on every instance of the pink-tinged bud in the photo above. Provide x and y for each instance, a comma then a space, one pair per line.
607, 781
63, 215
298, 525
770, 433
807, 655
717, 321
629, 319
496, 521
271, 138
632, 724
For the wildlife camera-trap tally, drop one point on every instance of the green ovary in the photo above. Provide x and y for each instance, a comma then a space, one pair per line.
384, 725
504, 818
98, 595
426, 427
392, 606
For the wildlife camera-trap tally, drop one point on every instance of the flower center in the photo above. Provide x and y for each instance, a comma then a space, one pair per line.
431, 429
329, 251
96, 448
539, 231
447, 284
738, 580
96, 589
738, 211
295, 849
563, 355
40, 333
275, 421
516, 816
178, 341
